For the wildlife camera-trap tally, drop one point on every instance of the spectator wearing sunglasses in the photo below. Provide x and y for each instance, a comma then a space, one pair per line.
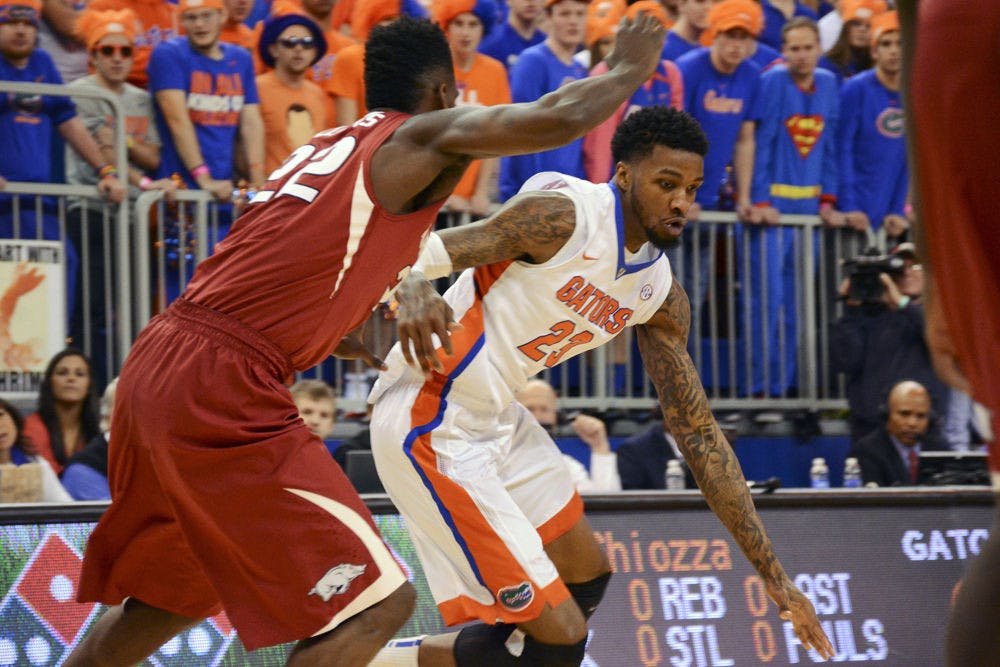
293, 107
109, 37
110, 40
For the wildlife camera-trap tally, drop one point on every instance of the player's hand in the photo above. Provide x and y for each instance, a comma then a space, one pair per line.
795, 607
639, 43
422, 314
353, 347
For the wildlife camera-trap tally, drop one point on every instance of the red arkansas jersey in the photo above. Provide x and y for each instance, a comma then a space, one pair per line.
315, 252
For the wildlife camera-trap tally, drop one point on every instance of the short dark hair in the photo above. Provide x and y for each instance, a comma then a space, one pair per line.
798, 22
398, 57
654, 126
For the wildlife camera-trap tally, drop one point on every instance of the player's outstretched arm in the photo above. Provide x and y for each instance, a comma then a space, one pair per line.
554, 119
663, 346
530, 227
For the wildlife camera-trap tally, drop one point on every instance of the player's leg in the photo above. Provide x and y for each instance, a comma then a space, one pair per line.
127, 634
356, 641
554, 631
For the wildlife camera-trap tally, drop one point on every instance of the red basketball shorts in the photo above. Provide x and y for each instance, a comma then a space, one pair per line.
222, 498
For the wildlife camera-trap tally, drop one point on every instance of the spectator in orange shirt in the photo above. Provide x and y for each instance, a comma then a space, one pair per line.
330, 16
293, 108
481, 81
235, 31
347, 79
156, 23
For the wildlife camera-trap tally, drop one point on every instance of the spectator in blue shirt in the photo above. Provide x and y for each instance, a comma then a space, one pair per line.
26, 124
541, 69
776, 13
685, 35
86, 474
874, 177
508, 39
720, 91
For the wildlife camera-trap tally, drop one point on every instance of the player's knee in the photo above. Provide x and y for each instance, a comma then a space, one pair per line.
484, 646
540, 654
488, 646
588, 594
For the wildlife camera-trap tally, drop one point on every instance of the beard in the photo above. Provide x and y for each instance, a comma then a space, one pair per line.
662, 242
653, 235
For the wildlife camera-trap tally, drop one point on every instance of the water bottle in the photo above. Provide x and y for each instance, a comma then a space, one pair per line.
819, 474
675, 475
852, 473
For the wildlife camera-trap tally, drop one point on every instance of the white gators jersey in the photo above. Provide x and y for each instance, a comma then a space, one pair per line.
520, 318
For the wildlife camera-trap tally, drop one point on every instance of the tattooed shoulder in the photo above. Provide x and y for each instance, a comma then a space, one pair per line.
676, 311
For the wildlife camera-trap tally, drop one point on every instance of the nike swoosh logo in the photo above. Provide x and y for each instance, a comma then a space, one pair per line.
585, 256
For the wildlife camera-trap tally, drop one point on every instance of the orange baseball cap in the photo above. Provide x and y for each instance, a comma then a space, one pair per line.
189, 5
861, 10
882, 24
92, 26
445, 11
732, 14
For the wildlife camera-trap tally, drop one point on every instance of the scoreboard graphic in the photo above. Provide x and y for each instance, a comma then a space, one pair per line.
882, 579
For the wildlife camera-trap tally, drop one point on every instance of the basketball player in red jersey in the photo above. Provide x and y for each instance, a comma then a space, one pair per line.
952, 47
223, 499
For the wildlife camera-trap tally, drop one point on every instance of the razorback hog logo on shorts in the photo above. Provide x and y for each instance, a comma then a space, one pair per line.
337, 580
516, 597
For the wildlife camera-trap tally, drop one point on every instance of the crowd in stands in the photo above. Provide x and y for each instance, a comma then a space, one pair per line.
800, 100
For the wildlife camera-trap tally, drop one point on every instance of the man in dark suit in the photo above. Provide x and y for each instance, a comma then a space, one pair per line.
890, 455
642, 459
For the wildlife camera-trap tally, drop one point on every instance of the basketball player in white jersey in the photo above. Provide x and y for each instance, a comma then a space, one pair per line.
564, 267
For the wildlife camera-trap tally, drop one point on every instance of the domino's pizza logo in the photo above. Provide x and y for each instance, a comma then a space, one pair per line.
516, 597
40, 620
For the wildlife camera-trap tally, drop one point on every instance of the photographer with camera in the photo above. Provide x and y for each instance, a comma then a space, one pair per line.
879, 340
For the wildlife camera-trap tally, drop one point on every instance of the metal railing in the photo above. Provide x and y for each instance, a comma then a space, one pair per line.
121, 341
744, 364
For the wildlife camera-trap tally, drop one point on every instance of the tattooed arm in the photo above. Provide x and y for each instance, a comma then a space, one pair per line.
663, 345
530, 227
